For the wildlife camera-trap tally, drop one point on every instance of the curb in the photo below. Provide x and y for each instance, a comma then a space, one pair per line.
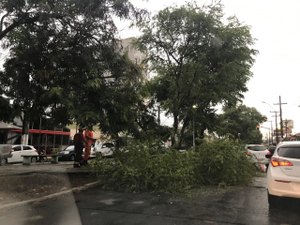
75, 189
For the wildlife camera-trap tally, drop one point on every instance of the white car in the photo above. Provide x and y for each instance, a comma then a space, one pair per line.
19, 150
283, 177
258, 153
104, 149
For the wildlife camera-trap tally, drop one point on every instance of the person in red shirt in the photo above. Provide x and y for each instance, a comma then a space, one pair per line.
78, 141
89, 141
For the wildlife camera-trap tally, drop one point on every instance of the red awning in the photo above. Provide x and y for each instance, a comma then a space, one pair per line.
37, 131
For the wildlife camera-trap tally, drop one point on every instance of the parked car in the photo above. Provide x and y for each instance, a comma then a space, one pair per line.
68, 154
19, 150
258, 152
104, 149
92, 153
283, 177
271, 149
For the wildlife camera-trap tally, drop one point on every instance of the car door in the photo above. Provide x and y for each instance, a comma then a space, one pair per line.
16, 154
27, 150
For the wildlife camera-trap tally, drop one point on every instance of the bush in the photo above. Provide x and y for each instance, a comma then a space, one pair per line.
145, 167
223, 162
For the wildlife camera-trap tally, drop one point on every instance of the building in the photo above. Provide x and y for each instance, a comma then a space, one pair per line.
42, 140
136, 56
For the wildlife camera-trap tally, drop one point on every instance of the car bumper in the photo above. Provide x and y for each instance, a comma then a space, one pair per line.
282, 186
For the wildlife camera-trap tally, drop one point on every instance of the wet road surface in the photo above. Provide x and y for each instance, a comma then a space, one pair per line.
238, 205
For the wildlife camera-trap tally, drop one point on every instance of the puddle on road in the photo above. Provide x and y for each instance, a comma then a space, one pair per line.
110, 201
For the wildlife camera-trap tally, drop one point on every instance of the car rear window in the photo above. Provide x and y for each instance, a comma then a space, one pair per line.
289, 152
257, 148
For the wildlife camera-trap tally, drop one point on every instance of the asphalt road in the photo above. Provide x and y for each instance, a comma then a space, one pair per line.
237, 205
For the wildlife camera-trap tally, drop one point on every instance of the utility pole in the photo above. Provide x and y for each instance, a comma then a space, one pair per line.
276, 133
268, 135
286, 128
280, 111
271, 131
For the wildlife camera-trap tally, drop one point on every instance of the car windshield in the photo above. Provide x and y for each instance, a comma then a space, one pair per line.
257, 148
69, 148
289, 152
107, 145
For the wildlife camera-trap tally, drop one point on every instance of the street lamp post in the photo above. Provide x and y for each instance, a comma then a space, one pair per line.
194, 107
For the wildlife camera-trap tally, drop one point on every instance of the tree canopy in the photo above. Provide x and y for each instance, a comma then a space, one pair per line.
66, 63
70, 14
199, 60
65, 60
242, 123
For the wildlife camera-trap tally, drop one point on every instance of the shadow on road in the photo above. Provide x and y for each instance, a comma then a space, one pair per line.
286, 209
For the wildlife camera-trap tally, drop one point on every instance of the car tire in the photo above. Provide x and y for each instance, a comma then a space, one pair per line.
72, 157
273, 201
34, 159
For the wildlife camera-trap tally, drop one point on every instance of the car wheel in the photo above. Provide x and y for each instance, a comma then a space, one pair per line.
273, 201
72, 157
34, 159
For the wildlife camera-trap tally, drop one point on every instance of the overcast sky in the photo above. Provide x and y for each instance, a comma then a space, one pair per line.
275, 24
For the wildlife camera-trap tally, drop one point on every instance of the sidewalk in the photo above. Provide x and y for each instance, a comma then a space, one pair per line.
44, 167
22, 183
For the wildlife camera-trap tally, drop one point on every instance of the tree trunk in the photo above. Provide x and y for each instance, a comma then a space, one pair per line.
185, 123
175, 130
25, 131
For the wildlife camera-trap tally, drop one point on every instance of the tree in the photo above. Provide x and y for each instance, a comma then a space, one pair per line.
199, 61
20, 13
6, 110
241, 122
63, 57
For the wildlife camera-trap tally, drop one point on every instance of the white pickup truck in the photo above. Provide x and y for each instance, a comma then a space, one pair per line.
5, 152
